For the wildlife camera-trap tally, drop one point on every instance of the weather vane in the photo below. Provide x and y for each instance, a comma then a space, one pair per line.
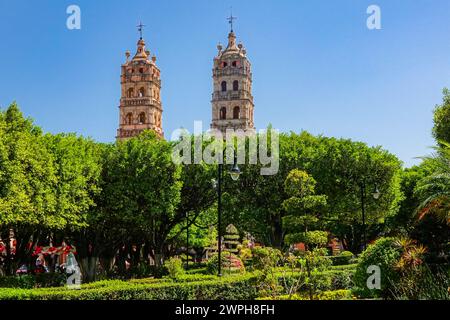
140, 28
231, 18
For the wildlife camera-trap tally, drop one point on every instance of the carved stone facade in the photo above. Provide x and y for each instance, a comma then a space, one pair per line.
232, 100
140, 102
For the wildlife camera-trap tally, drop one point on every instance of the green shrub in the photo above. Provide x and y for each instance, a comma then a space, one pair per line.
385, 254
188, 286
174, 267
196, 277
320, 281
230, 264
143, 270
202, 270
350, 267
424, 284
285, 297
312, 238
326, 295
265, 258
342, 280
242, 287
336, 295
245, 252
317, 259
143, 281
343, 258
40, 280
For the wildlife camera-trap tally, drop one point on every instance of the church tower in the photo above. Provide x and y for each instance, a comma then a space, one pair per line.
232, 100
140, 102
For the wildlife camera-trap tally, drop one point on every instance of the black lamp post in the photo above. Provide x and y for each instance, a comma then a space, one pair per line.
376, 195
234, 173
187, 241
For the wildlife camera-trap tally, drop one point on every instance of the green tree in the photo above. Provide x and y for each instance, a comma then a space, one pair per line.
434, 190
441, 129
202, 232
303, 209
254, 202
27, 181
141, 190
78, 166
405, 221
342, 167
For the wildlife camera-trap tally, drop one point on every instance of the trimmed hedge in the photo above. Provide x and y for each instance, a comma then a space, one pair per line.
40, 280
185, 287
349, 267
201, 270
327, 295
226, 288
343, 258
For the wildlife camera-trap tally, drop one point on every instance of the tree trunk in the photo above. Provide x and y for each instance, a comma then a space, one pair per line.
88, 266
276, 237
159, 256
8, 261
107, 264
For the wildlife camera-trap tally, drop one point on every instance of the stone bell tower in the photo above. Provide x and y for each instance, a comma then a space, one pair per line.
140, 102
232, 100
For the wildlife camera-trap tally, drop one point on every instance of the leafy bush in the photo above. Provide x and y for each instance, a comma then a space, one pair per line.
40, 280
242, 287
342, 259
245, 253
385, 254
314, 239
196, 277
179, 278
418, 280
350, 267
326, 295
174, 267
336, 295
424, 284
190, 287
317, 259
143, 270
342, 280
229, 261
309, 273
202, 270
265, 258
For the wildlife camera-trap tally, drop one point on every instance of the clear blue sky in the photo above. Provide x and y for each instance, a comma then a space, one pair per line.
315, 64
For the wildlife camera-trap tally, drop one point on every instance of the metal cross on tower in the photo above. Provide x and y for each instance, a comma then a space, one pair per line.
230, 20
141, 28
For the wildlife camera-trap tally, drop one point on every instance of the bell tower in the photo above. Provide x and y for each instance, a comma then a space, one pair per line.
232, 100
140, 102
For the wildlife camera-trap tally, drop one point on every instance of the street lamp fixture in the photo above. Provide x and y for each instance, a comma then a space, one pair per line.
187, 240
234, 172
376, 193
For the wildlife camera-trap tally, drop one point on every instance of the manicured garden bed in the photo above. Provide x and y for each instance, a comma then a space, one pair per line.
185, 287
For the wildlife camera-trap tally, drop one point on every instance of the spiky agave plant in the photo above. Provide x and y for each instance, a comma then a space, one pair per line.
412, 254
